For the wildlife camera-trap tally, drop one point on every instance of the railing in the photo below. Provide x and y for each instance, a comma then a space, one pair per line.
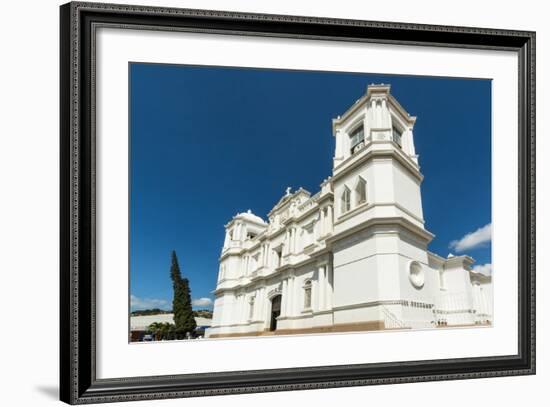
391, 321
453, 302
454, 308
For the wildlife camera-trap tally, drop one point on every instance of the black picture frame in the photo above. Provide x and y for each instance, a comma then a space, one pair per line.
78, 382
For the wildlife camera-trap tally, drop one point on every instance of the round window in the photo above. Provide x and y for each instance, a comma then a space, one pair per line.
416, 274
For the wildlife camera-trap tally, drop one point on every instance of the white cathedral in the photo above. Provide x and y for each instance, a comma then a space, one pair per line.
352, 257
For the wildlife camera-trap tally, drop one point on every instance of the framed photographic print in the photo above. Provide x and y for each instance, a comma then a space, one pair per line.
256, 203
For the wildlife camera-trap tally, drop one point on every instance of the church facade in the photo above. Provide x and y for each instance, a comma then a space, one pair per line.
353, 256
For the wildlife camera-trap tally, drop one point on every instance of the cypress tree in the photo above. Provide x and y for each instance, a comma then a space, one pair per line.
181, 304
189, 323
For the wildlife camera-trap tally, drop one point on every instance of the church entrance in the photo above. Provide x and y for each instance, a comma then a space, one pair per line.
275, 312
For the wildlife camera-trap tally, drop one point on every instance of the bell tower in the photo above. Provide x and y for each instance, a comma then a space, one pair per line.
376, 116
375, 163
379, 240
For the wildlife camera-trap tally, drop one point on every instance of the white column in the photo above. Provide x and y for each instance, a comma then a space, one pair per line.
411, 142
330, 285
291, 240
366, 124
243, 308
315, 293
322, 288
239, 308
291, 295
263, 306
267, 309
338, 144
483, 301
226, 240
374, 122
385, 114
286, 247
330, 218
325, 286
284, 295
322, 223
257, 304
316, 232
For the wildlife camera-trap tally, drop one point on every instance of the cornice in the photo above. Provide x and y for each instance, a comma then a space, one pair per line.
464, 261
366, 154
389, 221
362, 102
369, 205
283, 271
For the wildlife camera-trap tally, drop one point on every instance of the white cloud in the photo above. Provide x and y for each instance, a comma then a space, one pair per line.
202, 302
484, 268
137, 303
472, 240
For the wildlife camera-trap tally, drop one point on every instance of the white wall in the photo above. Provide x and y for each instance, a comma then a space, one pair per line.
29, 201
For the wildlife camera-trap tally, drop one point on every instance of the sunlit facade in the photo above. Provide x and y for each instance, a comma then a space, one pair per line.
354, 256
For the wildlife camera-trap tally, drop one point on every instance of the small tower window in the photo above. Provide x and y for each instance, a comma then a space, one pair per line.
357, 137
307, 294
346, 200
361, 191
396, 136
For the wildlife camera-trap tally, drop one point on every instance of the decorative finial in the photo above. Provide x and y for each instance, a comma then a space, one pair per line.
287, 191
249, 211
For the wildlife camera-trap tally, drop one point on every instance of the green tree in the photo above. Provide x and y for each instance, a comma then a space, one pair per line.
161, 330
184, 321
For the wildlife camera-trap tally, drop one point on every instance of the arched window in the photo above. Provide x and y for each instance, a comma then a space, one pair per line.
307, 294
346, 200
357, 137
361, 191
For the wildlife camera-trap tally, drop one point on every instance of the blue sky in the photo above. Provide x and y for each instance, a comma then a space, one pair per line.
208, 142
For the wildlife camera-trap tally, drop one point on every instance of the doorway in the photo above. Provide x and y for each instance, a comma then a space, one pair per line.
275, 312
